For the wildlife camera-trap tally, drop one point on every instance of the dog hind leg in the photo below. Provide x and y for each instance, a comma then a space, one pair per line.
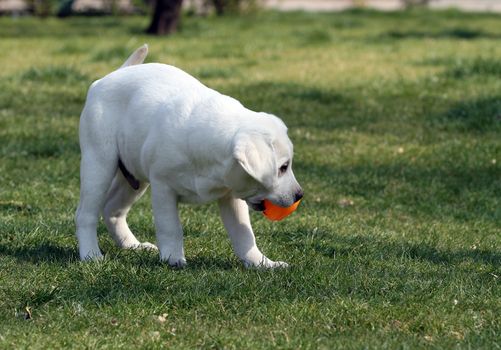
169, 231
120, 198
96, 174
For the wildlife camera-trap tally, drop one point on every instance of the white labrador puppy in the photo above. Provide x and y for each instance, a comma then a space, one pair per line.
155, 124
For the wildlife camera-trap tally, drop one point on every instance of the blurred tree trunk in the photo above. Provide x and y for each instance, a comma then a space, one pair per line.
165, 17
220, 6
410, 3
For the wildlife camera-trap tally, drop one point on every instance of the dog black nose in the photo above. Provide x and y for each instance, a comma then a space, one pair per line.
298, 195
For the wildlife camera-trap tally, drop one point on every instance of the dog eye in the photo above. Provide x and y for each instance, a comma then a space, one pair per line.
283, 168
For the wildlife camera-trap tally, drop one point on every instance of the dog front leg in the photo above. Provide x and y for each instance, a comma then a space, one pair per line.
169, 232
235, 216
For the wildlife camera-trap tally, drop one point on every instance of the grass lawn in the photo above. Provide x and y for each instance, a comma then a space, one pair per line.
396, 121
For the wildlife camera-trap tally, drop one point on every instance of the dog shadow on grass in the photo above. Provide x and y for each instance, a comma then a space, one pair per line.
45, 252
51, 253
127, 277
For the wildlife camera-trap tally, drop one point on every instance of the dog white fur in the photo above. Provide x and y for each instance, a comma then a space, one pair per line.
191, 143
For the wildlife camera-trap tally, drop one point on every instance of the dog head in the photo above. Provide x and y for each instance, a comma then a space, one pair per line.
264, 152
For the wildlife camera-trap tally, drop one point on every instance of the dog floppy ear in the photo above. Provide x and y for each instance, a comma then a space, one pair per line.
256, 155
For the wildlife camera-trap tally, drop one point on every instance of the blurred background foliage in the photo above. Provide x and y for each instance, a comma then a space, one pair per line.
45, 8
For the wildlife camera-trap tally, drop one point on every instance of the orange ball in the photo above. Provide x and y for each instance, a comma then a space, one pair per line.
276, 213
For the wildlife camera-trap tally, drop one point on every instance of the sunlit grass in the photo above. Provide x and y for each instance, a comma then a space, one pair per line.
396, 121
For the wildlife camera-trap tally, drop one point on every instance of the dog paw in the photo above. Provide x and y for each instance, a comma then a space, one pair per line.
179, 262
266, 263
93, 255
279, 264
144, 246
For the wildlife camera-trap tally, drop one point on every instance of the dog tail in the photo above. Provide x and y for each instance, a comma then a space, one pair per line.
137, 57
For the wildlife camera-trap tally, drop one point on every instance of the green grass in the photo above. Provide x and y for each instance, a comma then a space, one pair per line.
396, 121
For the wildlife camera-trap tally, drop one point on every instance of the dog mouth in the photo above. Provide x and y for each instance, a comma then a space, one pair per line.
257, 206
